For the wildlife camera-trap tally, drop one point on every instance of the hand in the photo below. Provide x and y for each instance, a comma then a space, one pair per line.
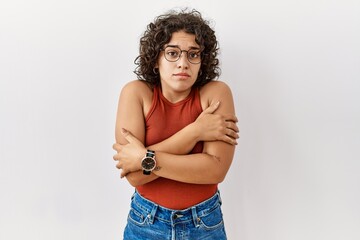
214, 127
129, 155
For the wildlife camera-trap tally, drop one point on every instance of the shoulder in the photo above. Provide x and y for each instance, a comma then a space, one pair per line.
215, 86
214, 91
138, 89
137, 93
136, 86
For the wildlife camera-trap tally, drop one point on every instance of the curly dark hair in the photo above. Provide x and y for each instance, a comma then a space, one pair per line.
159, 32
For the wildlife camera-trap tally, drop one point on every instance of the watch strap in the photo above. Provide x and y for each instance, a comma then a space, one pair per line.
151, 154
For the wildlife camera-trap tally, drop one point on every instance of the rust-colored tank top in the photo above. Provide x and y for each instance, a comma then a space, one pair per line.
163, 120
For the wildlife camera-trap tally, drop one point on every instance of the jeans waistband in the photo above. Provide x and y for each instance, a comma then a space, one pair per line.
172, 216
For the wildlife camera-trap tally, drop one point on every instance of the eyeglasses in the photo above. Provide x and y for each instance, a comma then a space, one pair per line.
173, 53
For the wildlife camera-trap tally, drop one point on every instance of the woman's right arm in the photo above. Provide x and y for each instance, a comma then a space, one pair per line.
130, 115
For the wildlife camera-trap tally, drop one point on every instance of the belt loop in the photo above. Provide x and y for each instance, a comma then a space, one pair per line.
133, 195
218, 193
151, 215
195, 217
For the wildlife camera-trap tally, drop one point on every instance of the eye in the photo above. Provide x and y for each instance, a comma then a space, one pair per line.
194, 54
172, 53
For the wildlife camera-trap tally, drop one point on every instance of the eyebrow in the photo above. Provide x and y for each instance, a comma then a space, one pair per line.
196, 48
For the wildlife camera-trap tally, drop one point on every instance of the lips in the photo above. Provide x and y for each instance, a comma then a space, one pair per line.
182, 75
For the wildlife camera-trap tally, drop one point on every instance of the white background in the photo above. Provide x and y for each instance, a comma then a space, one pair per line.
293, 66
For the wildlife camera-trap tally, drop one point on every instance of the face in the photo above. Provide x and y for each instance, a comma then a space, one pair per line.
179, 76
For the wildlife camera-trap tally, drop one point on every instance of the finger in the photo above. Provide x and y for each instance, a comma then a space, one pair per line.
119, 165
123, 174
230, 117
231, 133
129, 136
212, 107
232, 140
232, 126
229, 140
117, 147
125, 132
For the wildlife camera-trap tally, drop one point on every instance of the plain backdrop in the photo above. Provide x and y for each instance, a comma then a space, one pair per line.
294, 69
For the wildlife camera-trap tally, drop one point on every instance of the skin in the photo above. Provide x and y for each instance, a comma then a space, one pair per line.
177, 78
216, 125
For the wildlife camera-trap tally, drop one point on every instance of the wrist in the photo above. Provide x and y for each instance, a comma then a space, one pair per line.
148, 163
142, 154
194, 132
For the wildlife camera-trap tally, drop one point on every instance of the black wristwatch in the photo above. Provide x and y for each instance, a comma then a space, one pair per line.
148, 163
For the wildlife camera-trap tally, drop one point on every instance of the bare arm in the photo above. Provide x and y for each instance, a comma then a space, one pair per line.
210, 166
130, 115
207, 127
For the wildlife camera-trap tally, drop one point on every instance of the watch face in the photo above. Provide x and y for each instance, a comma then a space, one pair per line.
148, 163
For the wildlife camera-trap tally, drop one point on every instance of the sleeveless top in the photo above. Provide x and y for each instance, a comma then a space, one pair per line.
163, 120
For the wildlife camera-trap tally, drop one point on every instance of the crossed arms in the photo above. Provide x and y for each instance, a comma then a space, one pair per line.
216, 126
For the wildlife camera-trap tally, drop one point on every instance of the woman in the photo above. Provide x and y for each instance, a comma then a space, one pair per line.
187, 123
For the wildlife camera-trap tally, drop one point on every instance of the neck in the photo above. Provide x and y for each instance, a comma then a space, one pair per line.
175, 97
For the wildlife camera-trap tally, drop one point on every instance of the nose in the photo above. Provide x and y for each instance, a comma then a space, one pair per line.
183, 61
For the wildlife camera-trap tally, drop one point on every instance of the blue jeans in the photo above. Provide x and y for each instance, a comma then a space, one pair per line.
147, 221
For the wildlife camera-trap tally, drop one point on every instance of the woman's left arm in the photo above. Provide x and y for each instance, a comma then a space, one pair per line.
210, 166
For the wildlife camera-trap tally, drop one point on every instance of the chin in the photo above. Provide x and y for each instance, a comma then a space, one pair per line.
183, 86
